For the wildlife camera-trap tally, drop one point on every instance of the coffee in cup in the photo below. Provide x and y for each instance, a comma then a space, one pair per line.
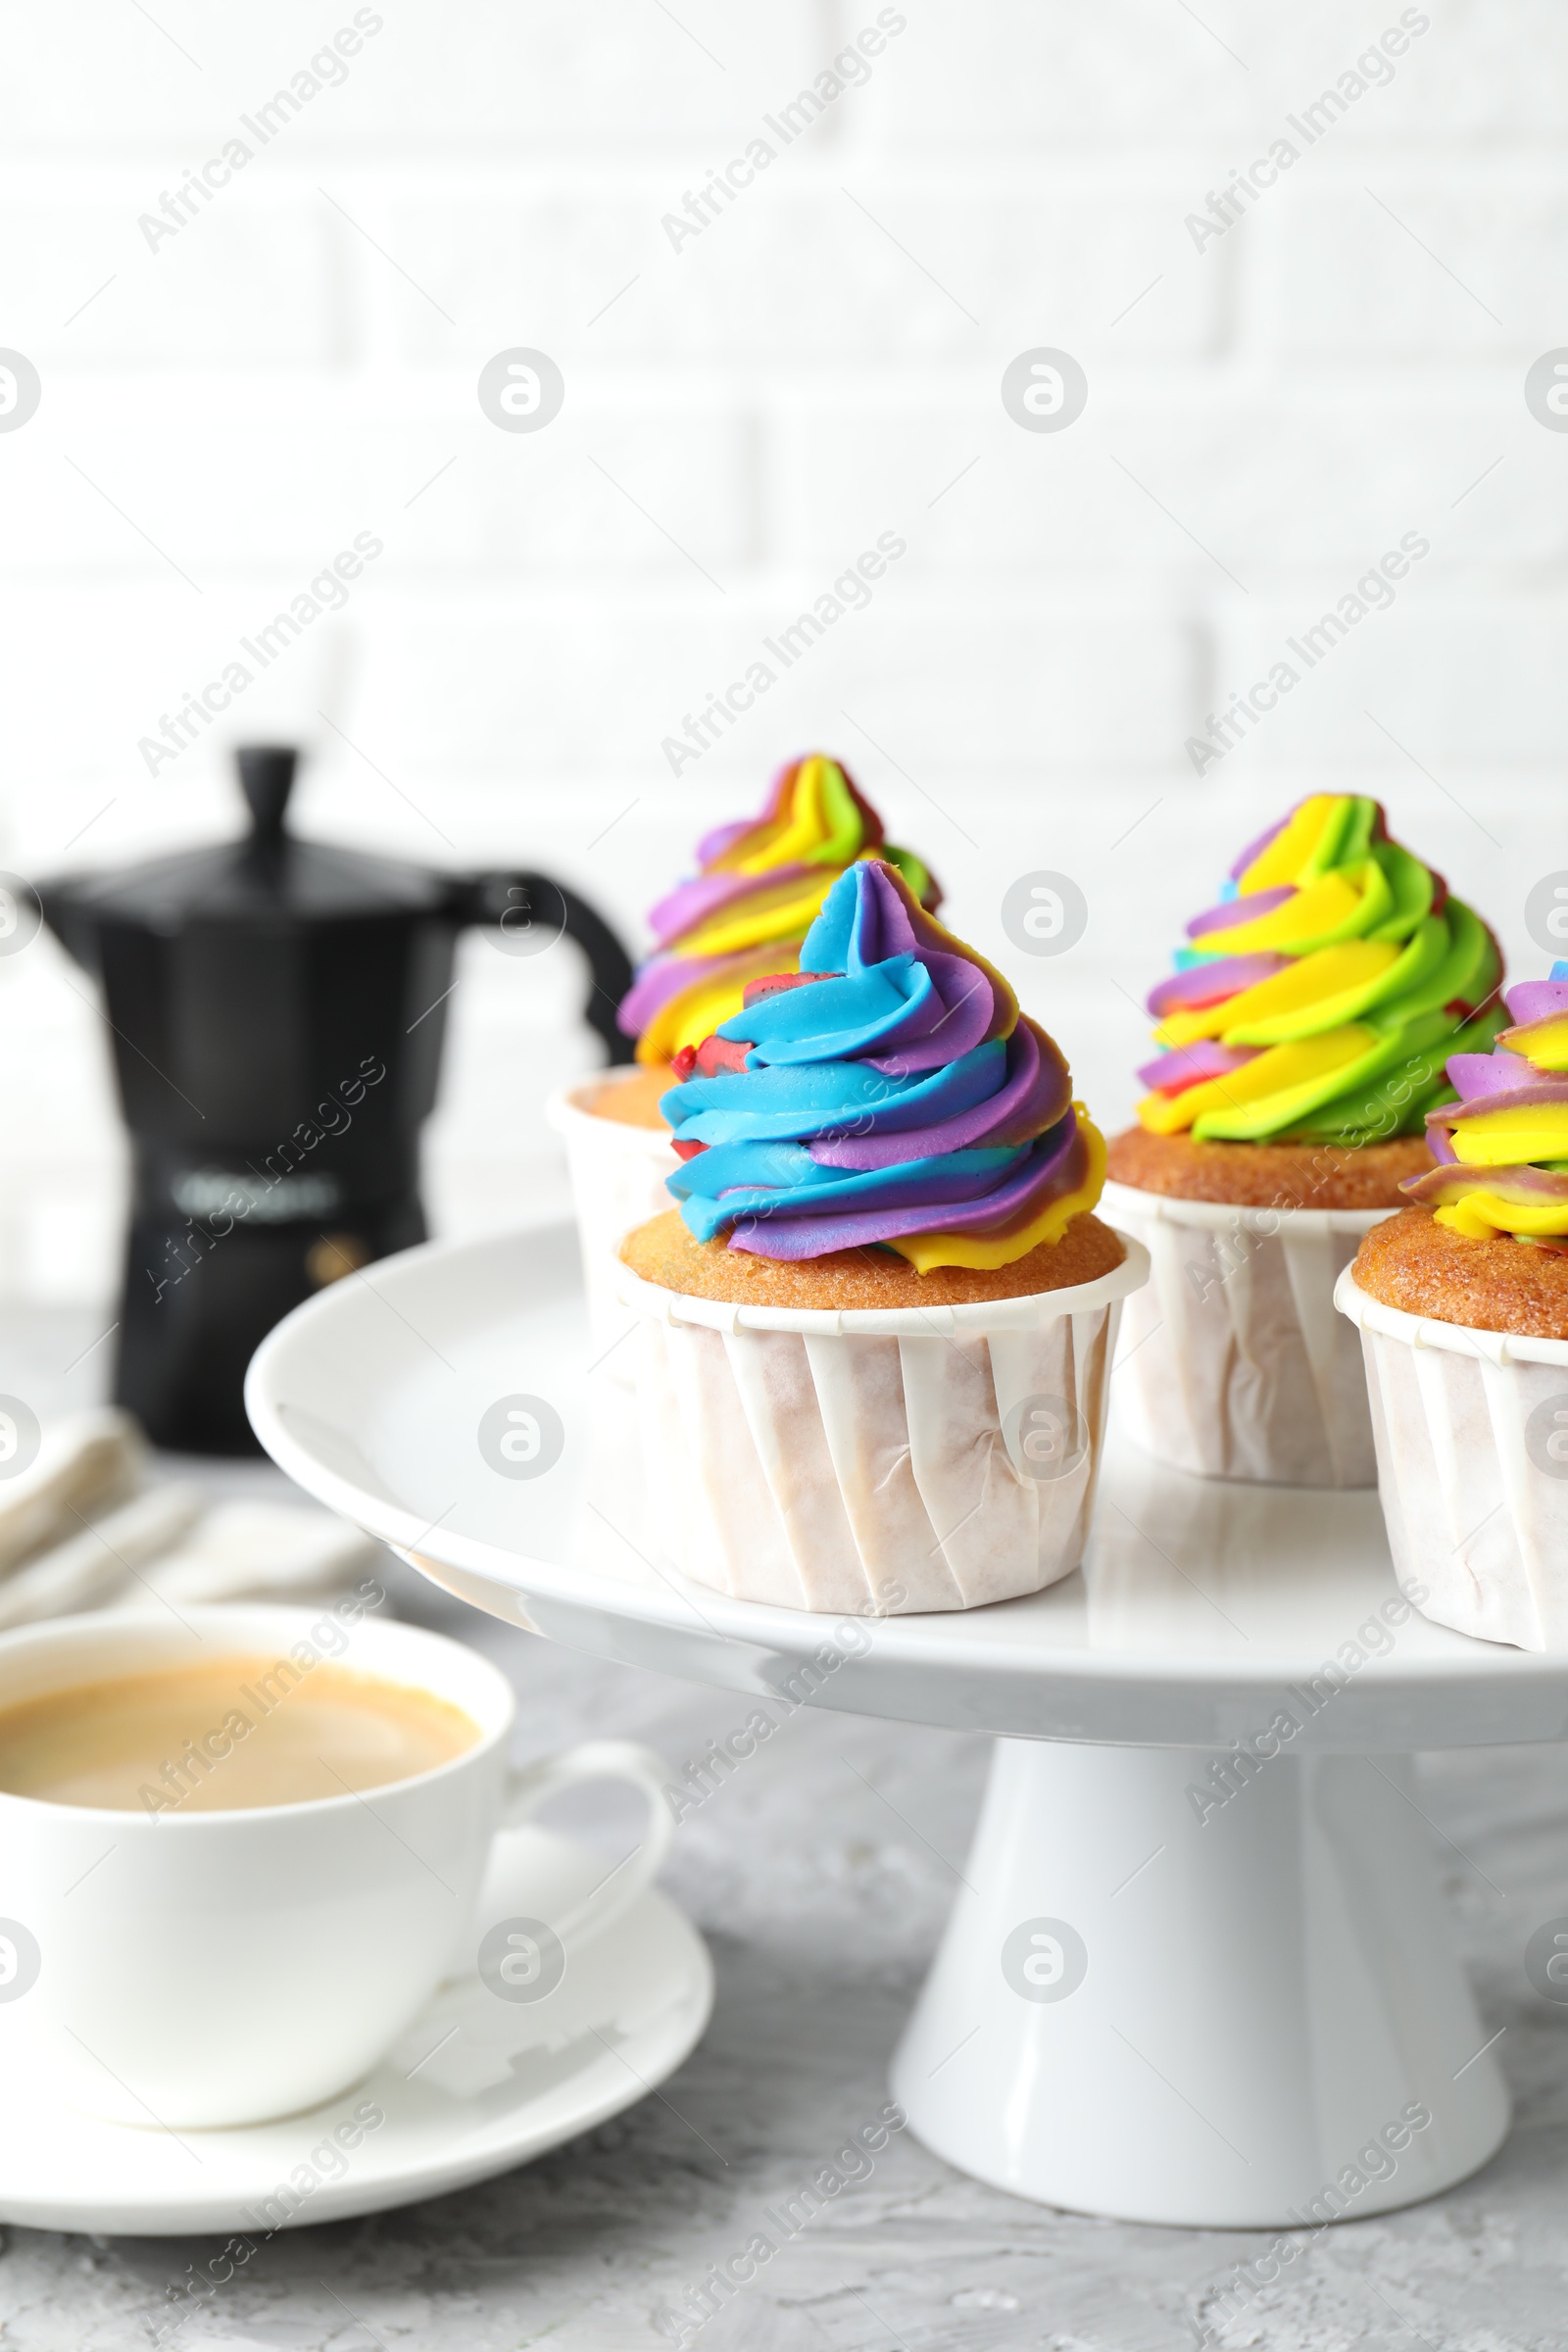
225, 1736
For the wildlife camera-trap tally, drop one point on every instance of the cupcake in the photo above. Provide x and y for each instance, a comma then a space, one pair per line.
1303, 1038
1463, 1305
876, 1332
759, 887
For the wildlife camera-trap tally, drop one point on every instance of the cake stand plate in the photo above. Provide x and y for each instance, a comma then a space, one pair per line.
1198, 1970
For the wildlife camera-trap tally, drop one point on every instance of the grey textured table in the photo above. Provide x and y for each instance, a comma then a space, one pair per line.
820, 1874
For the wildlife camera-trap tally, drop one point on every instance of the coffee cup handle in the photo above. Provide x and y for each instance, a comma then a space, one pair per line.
533, 1785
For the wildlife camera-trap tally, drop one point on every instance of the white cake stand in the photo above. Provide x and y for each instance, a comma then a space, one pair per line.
1156, 1999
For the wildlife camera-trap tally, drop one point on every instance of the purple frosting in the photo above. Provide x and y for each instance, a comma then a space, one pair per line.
1189, 1065
1231, 913
1537, 1093
1211, 982
1034, 1095
1520, 1182
1058, 1161
1474, 1076
1533, 1000
706, 894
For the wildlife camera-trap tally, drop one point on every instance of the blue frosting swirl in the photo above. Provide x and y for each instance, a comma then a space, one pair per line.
889, 1091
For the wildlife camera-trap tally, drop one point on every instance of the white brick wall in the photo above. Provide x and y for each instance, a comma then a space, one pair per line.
820, 364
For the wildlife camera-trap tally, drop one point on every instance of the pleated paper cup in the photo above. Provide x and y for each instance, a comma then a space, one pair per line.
1234, 1363
618, 1181
877, 1461
1472, 1445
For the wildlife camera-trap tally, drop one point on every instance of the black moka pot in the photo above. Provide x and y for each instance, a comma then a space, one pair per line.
277, 1008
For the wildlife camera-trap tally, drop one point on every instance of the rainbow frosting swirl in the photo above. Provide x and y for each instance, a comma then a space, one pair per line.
759, 886
1503, 1148
1323, 994
889, 1093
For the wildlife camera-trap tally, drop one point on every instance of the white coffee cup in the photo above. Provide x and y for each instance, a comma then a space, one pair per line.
191, 1969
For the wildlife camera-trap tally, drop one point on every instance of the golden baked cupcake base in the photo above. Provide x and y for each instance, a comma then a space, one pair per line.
665, 1251
1423, 1269
1300, 1175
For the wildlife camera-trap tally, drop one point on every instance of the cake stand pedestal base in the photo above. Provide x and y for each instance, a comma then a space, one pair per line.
1252, 2019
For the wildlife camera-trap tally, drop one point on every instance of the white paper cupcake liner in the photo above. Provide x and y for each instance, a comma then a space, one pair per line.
1472, 1447
875, 1462
618, 1181
1232, 1362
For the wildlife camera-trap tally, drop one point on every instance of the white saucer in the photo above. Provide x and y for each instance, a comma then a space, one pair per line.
476, 2085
